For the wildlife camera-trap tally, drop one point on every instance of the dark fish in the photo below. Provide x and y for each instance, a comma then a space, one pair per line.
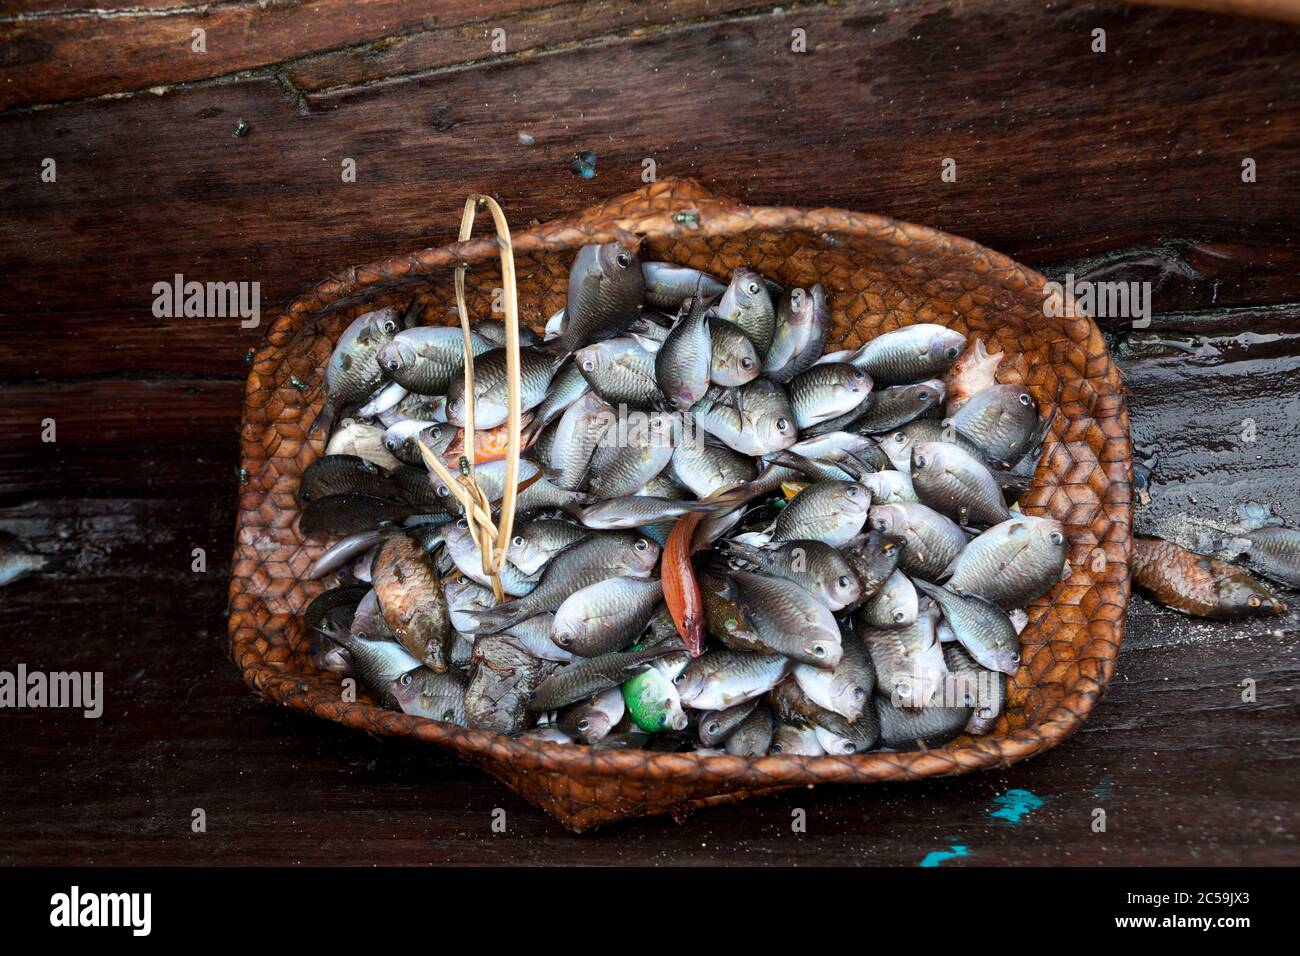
1198, 585
345, 474
606, 287
334, 609
351, 513
584, 678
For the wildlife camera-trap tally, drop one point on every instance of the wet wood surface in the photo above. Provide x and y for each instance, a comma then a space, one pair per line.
1125, 166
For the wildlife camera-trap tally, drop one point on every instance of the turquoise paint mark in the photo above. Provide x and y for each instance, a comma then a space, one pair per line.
1015, 804
935, 857
1104, 789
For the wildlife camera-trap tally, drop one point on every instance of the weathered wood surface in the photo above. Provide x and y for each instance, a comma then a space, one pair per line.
1124, 165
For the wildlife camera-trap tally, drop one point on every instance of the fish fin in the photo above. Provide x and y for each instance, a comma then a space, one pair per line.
492, 620
796, 461
414, 312
1254, 515
325, 420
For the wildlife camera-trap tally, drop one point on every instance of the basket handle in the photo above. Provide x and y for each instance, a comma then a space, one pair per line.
492, 540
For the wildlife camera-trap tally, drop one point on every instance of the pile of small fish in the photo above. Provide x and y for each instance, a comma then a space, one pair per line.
725, 540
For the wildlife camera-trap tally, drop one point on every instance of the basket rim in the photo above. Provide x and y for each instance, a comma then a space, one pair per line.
716, 217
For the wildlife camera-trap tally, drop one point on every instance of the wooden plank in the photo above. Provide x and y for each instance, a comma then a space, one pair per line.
134, 52
270, 207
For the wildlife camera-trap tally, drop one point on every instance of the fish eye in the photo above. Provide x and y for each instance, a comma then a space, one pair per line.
952, 352
623, 259
776, 748
405, 680
392, 365
900, 438
880, 524
747, 362
900, 616
844, 582
923, 395
782, 424
713, 727
918, 460
584, 724
819, 650
390, 326
672, 403
1025, 399
519, 541
1056, 537
1254, 600
859, 374
859, 693
588, 365
641, 544
751, 287
392, 444
462, 523
678, 679
852, 491
565, 640
443, 491
1015, 657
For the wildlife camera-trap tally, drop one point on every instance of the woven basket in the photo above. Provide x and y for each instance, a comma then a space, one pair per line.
879, 275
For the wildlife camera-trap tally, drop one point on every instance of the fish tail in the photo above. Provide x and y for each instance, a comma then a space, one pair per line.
499, 618
325, 419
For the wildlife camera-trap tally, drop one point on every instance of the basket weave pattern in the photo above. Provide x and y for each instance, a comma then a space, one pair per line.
879, 275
